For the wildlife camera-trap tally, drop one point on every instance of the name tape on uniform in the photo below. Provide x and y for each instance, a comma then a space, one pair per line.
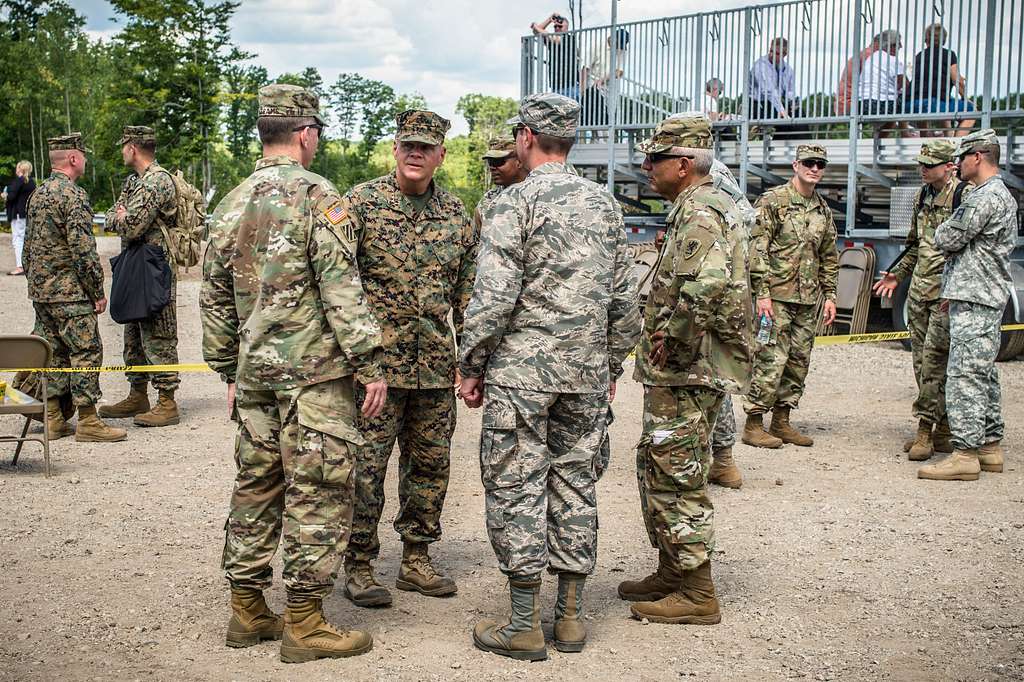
837, 340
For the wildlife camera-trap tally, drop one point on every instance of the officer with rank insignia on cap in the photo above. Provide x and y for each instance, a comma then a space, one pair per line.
286, 325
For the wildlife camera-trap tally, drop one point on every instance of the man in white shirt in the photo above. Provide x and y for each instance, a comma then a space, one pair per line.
596, 75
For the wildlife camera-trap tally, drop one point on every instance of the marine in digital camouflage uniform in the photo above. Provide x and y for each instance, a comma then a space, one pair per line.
146, 207
505, 170
695, 348
289, 326
793, 264
552, 318
65, 285
976, 240
927, 322
417, 257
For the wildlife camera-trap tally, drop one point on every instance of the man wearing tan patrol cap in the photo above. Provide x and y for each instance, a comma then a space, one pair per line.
505, 169
417, 259
793, 264
935, 202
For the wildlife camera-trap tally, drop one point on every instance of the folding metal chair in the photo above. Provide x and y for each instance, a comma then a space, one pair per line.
24, 352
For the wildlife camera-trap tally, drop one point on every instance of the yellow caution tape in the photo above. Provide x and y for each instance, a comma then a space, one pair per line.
837, 340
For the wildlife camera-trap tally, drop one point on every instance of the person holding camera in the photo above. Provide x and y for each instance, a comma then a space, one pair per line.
563, 56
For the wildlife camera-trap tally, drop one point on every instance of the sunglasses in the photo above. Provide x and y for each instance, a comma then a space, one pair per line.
930, 166
658, 158
814, 163
494, 163
319, 128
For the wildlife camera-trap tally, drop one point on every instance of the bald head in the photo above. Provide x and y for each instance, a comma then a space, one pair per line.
71, 162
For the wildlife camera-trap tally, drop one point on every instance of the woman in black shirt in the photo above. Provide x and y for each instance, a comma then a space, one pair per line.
936, 72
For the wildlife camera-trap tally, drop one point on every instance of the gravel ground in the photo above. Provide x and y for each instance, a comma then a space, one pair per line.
834, 561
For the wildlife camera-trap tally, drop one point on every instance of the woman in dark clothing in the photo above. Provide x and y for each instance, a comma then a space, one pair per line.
936, 73
18, 192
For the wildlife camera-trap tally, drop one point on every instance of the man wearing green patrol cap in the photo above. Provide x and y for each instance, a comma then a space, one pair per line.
793, 264
505, 169
286, 322
923, 262
695, 348
144, 212
417, 259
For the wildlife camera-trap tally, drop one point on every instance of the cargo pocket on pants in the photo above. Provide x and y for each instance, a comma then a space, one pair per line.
500, 472
337, 438
674, 457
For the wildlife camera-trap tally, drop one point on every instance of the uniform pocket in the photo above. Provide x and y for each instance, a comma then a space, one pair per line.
499, 462
674, 450
318, 535
329, 430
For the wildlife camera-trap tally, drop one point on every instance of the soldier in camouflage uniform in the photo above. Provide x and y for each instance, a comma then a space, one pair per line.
505, 169
695, 347
977, 241
65, 285
145, 209
793, 264
285, 321
417, 257
929, 326
552, 318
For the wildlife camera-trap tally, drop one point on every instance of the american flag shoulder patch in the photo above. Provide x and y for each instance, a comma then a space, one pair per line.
335, 213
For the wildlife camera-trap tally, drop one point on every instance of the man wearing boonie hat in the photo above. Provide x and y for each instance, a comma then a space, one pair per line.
976, 240
505, 170
551, 320
695, 348
793, 264
417, 260
934, 203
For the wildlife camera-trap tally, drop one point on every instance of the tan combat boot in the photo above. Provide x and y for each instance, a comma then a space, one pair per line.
755, 435
418, 574
164, 413
694, 603
56, 425
962, 465
252, 621
361, 586
781, 428
137, 402
308, 636
91, 428
570, 634
724, 471
990, 457
942, 441
921, 448
522, 637
661, 583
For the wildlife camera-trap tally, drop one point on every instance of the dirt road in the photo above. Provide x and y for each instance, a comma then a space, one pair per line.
834, 562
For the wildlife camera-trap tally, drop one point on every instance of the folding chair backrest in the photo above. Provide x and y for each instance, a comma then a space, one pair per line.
24, 352
853, 263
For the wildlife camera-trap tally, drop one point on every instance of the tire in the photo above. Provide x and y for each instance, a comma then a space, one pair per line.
1011, 344
900, 309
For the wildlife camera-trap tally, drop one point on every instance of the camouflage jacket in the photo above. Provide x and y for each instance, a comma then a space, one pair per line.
61, 262
554, 308
977, 241
725, 181
794, 244
483, 207
923, 262
700, 297
281, 302
151, 201
416, 269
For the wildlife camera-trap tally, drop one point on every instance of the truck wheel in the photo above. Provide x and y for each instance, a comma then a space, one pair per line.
900, 307
1011, 344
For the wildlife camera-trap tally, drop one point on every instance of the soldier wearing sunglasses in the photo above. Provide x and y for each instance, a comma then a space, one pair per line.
505, 170
793, 263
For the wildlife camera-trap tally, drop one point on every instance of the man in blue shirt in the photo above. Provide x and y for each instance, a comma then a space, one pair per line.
771, 86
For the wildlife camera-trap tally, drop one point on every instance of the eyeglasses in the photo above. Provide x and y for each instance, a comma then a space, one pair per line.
319, 128
494, 163
814, 163
658, 158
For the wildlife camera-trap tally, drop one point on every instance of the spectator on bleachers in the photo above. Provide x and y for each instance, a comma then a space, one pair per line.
936, 72
563, 56
712, 107
772, 84
882, 82
845, 92
597, 74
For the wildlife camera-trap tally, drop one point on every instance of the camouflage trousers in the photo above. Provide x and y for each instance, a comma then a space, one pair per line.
672, 463
422, 421
538, 457
724, 433
74, 335
929, 339
780, 366
154, 342
295, 452
973, 397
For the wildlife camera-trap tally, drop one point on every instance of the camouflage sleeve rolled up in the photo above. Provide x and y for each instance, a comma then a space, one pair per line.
463, 290
82, 244
498, 285
332, 257
907, 264
765, 228
828, 257
624, 322
218, 313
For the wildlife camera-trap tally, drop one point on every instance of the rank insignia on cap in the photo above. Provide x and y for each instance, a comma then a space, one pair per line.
692, 247
335, 213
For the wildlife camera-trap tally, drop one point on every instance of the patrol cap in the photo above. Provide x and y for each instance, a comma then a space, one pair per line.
811, 151
137, 135
679, 130
936, 152
66, 142
548, 114
292, 101
416, 125
500, 148
978, 141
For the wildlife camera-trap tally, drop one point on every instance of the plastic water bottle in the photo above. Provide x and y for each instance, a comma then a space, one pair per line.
764, 333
